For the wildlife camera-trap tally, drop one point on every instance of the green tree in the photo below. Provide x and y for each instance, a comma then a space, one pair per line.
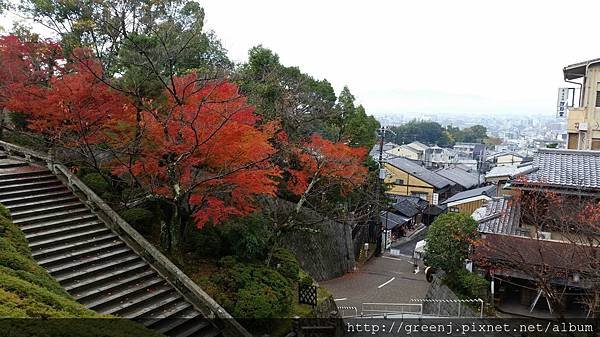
448, 241
422, 131
351, 123
302, 103
362, 128
166, 36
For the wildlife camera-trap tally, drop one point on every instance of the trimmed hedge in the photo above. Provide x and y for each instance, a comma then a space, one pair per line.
28, 291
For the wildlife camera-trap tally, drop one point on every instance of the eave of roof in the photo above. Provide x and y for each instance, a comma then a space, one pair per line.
577, 70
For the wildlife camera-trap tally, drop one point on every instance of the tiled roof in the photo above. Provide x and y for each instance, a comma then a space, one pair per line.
410, 148
489, 191
499, 216
420, 172
407, 208
419, 202
391, 220
374, 153
508, 171
418, 146
566, 168
458, 175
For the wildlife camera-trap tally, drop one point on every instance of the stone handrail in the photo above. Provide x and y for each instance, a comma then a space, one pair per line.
206, 304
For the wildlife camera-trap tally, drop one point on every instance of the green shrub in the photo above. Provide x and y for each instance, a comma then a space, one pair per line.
141, 219
96, 182
258, 301
470, 285
249, 280
208, 241
18, 119
306, 281
247, 237
448, 240
4, 212
227, 262
286, 263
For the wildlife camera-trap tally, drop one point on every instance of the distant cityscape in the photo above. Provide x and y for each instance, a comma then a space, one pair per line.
518, 133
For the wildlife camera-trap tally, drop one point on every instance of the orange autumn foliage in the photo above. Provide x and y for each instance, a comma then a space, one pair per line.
74, 107
205, 149
321, 159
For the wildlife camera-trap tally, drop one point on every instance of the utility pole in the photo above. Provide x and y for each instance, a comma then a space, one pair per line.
380, 248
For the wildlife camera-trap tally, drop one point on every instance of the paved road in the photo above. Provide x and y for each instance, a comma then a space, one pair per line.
408, 247
382, 280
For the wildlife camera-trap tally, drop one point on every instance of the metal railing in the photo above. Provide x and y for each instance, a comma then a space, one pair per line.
201, 300
392, 309
459, 302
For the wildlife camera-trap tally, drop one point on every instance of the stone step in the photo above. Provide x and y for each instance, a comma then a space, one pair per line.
144, 310
109, 287
172, 323
77, 253
29, 185
141, 286
52, 216
138, 299
170, 313
58, 223
10, 163
96, 280
88, 259
102, 267
82, 235
37, 197
22, 173
17, 207
192, 328
29, 213
43, 176
61, 250
53, 232
32, 191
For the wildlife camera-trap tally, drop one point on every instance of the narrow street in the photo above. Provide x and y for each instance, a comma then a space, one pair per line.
408, 247
383, 279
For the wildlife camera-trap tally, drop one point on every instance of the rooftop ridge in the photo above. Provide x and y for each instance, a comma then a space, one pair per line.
569, 151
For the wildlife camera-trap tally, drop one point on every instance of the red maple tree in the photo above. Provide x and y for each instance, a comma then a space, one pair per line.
198, 148
26, 62
328, 164
201, 152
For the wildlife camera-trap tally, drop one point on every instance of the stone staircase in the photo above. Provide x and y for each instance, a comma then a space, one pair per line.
90, 261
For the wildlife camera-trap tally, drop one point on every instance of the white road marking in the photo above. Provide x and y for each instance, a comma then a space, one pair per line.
396, 259
384, 284
340, 299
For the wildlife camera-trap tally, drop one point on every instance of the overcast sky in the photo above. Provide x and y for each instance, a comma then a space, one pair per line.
472, 57
425, 56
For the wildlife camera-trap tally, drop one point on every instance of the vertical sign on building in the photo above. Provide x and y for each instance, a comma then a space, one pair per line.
563, 102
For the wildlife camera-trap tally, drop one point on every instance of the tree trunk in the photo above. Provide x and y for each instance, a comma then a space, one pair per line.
172, 232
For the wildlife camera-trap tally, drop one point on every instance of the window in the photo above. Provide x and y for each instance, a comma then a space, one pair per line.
597, 99
420, 195
399, 182
453, 209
